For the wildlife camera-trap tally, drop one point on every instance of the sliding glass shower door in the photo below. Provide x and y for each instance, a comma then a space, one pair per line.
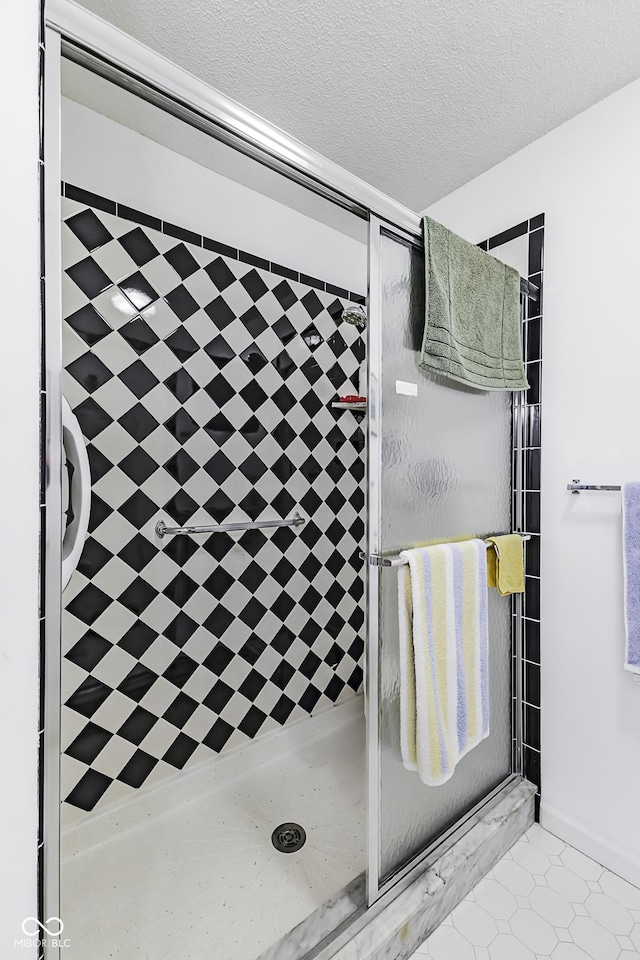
439, 468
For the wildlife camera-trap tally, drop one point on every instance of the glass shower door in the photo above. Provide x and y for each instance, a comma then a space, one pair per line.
439, 468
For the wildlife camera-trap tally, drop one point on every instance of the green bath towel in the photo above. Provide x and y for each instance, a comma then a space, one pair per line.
472, 317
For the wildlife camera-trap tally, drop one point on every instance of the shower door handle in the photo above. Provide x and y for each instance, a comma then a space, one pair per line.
75, 454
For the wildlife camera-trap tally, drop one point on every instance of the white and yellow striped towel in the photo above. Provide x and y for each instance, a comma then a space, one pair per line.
444, 688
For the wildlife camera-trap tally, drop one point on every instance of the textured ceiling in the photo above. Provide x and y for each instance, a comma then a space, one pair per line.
415, 96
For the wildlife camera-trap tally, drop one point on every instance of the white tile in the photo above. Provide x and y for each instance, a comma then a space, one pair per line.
497, 900
581, 865
626, 943
567, 884
544, 840
534, 931
569, 951
447, 943
563, 935
594, 939
507, 947
531, 858
609, 914
474, 923
621, 891
553, 907
514, 877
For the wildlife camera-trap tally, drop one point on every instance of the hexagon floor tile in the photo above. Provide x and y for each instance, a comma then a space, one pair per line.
543, 901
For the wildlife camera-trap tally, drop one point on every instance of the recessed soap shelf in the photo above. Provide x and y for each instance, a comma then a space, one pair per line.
349, 406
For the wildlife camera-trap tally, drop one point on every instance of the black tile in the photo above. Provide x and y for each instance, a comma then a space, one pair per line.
181, 589
312, 337
138, 509
99, 465
91, 199
252, 542
93, 558
254, 321
287, 272
137, 769
90, 277
219, 429
285, 295
283, 434
219, 659
284, 364
518, 231
532, 556
252, 722
181, 628
88, 744
138, 422
358, 298
137, 639
89, 604
283, 503
218, 735
89, 650
89, 790
220, 351
180, 710
138, 465
312, 304
283, 709
536, 306
218, 697
139, 247
253, 260
532, 684
138, 552
221, 391
532, 726
172, 230
310, 697
219, 506
89, 229
532, 470
532, 765
219, 467
284, 330
181, 425
89, 325
180, 670
137, 596
252, 576
254, 358
536, 242
252, 468
181, 302
253, 504
220, 274
181, 549
334, 688
219, 583
219, 621
252, 650
284, 399
534, 339
137, 725
90, 695
337, 291
139, 379
312, 281
311, 469
183, 262
253, 613
283, 469
220, 313
532, 429
138, 682
180, 751
532, 598
536, 222
254, 285
252, 685
532, 512
138, 335
221, 248
138, 290
253, 431
181, 467
129, 213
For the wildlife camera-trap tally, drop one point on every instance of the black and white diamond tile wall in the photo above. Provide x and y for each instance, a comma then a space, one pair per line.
203, 386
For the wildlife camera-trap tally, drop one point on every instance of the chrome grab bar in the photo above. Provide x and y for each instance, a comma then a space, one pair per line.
163, 530
575, 486
375, 560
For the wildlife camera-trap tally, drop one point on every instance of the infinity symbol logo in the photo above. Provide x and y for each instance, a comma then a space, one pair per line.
43, 926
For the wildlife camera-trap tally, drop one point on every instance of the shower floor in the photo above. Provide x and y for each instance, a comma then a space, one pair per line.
189, 870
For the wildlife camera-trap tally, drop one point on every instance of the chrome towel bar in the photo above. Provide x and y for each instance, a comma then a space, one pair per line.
378, 561
575, 486
162, 530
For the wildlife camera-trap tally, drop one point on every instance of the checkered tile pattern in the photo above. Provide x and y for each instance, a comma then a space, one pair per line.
203, 386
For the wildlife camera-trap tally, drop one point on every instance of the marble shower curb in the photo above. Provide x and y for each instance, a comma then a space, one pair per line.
399, 929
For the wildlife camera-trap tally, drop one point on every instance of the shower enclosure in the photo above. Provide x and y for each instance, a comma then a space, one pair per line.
221, 667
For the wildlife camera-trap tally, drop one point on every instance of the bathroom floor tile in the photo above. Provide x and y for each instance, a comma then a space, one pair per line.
544, 899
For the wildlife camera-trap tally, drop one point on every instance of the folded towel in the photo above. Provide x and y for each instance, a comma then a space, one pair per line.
472, 316
631, 558
505, 564
444, 693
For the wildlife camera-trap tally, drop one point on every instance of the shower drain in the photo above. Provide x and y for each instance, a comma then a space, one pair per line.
288, 837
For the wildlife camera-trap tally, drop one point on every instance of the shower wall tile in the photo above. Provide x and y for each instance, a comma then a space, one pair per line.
529, 235
203, 380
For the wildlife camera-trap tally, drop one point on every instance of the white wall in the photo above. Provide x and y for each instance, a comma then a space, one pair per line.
19, 392
108, 158
586, 177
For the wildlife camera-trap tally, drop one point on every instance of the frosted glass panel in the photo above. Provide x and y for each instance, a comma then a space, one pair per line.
445, 472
